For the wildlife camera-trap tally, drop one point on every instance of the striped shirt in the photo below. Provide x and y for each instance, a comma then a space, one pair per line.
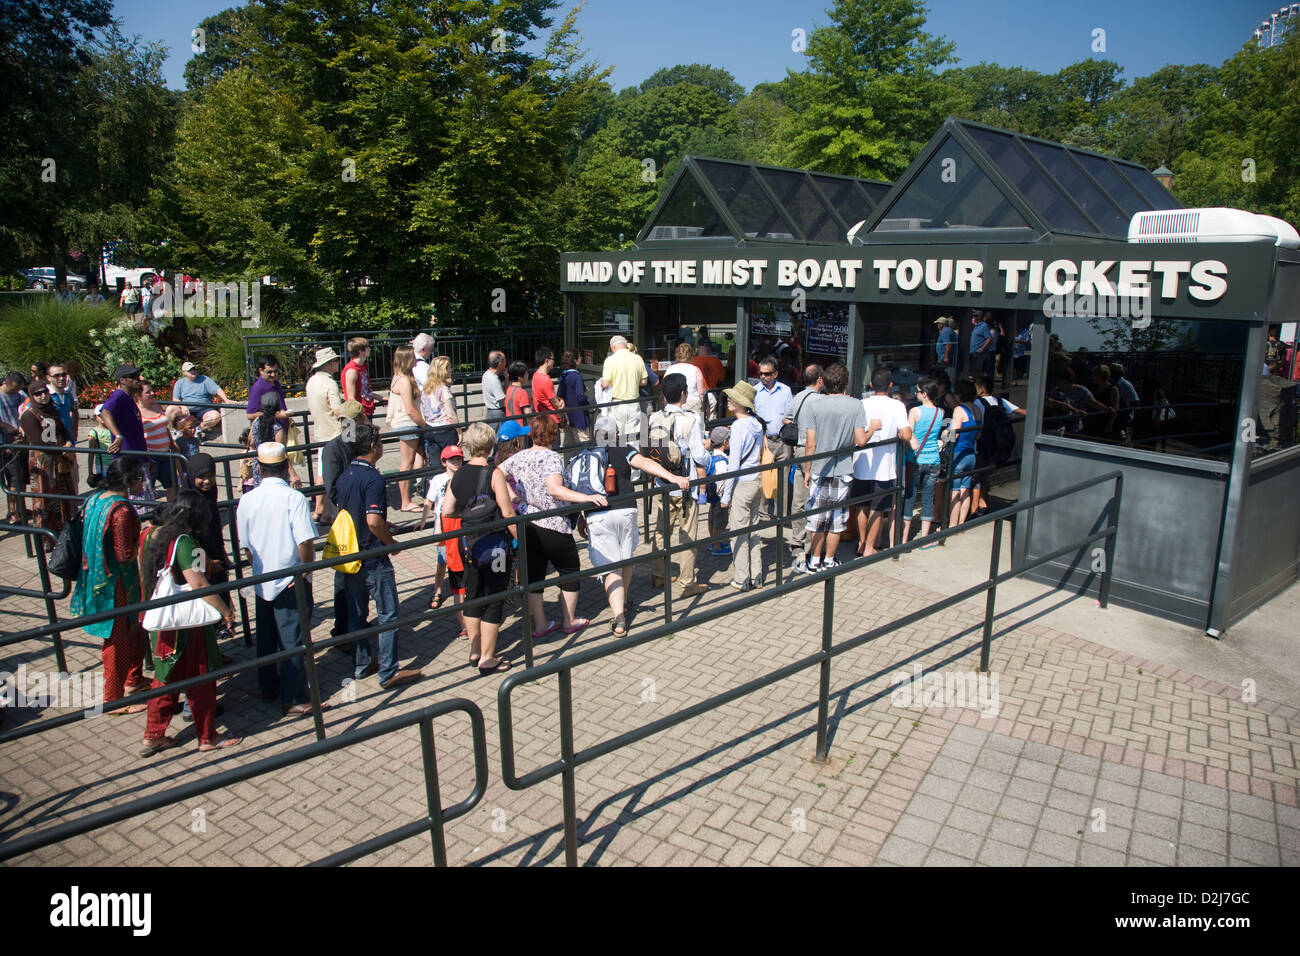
156, 435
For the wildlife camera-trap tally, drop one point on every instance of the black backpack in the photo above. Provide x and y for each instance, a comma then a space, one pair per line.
996, 441
479, 510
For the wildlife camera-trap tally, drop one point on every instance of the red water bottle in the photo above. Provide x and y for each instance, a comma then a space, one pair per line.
611, 482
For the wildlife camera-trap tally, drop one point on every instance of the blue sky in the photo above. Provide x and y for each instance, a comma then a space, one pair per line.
753, 38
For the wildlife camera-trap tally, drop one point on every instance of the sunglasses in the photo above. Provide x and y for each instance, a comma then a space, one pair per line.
38, 394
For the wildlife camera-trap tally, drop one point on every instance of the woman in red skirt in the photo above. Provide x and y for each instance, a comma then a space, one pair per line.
173, 547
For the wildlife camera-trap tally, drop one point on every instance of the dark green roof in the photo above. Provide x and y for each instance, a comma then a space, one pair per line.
1007, 185
729, 201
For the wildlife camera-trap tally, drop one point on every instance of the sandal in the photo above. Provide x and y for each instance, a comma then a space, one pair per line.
221, 743
133, 709
157, 745
579, 623
620, 626
473, 660
495, 668
551, 628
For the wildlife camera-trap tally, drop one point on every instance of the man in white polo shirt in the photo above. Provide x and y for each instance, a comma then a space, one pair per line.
275, 527
875, 469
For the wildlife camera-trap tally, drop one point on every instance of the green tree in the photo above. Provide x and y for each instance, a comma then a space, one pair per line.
1241, 135
377, 156
44, 45
870, 98
697, 74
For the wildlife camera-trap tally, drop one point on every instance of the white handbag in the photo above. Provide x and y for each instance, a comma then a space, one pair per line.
195, 612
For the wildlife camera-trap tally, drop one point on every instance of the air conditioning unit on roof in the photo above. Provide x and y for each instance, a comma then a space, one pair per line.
1214, 224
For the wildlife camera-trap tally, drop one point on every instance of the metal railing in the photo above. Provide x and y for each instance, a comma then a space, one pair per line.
571, 758
433, 823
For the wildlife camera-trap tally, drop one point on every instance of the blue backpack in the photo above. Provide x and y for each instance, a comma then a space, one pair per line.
586, 474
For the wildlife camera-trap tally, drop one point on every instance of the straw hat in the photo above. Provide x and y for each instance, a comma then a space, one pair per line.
742, 393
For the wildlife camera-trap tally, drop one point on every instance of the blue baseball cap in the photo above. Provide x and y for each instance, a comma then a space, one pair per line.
512, 429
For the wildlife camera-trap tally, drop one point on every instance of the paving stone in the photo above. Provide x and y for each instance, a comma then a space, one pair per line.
1004, 744
940, 858
1061, 822
1080, 763
1041, 753
1163, 783
979, 799
1035, 770
1252, 851
950, 768
1115, 794
1068, 800
1055, 845
1241, 825
1074, 782
916, 829
940, 788
972, 821
1151, 848
929, 808
1021, 811
1162, 803
1206, 816
1030, 790
1090, 855
988, 779
997, 761
968, 735
958, 843
1202, 837
1205, 794
1010, 833
1155, 825
1120, 773
1250, 805
1195, 856
1000, 854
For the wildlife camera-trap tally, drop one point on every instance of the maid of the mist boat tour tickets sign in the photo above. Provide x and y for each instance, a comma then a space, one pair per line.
1011, 274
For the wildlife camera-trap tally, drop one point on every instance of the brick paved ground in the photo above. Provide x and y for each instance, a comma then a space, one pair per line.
1182, 769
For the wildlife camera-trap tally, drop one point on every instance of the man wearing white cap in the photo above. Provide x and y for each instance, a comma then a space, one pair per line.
324, 399
276, 531
195, 387
423, 346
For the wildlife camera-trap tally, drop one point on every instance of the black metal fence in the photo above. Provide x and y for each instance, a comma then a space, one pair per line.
570, 758
433, 823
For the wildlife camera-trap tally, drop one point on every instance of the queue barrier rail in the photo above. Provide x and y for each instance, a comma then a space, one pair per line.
433, 823
571, 758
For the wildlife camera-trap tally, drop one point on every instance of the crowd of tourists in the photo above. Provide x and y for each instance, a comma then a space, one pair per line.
694, 442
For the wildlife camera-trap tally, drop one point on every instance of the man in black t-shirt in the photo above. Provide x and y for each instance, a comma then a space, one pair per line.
361, 493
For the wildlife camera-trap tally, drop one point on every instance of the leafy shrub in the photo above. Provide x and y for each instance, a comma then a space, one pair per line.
122, 343
45, 329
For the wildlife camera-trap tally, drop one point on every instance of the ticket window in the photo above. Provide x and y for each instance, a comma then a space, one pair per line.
599, 318
819, 333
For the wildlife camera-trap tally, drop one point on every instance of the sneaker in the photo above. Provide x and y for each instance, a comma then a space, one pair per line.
799, 566
828, 564
721, 550
813, 566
